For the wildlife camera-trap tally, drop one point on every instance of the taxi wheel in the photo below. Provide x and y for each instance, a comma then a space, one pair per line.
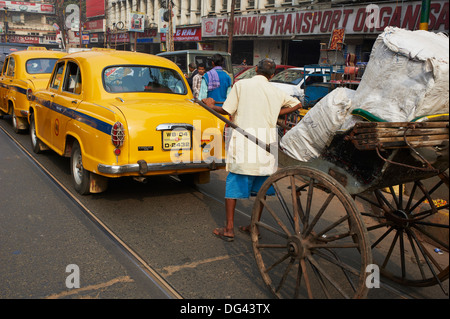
35, 141
14, 121
80, 176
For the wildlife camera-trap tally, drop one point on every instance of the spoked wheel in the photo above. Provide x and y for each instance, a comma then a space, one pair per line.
408, 228
309, 240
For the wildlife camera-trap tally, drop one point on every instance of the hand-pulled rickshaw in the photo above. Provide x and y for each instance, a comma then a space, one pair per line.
369, 203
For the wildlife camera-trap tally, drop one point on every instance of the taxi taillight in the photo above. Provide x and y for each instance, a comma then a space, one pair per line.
29, 94
117, 136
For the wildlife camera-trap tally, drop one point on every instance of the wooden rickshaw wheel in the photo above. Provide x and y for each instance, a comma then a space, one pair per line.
309, 240
410, 235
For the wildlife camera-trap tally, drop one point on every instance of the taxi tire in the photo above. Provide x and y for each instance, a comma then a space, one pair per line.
14, 121
35, 141
18, 123
80, 176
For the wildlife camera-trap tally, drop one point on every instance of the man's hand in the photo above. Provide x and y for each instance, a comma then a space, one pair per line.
209, 101
286, 110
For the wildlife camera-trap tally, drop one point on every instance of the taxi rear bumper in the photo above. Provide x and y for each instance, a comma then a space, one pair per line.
142, 167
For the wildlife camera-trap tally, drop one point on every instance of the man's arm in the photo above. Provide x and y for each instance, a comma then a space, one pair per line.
211, 104
287, 110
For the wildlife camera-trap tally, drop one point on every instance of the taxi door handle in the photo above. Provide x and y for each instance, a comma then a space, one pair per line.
74, 102
52, 95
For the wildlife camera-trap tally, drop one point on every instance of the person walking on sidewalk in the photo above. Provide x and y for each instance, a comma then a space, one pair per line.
254, 105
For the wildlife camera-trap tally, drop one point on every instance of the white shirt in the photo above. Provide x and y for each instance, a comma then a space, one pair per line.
255, 105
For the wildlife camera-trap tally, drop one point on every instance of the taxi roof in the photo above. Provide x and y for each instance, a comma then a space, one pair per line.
99, 59
38, 54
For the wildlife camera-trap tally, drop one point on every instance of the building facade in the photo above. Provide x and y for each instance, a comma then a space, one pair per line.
288, 31
28, 22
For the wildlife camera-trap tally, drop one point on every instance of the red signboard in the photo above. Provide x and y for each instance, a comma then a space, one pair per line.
94, 25
23, 39
120, 37
21, 6
95, 8
148, 33
367, 19
185, 34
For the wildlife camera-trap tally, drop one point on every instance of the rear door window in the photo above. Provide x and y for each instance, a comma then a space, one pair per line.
72, 80
151, 79
38, 66
58, 76
11, 67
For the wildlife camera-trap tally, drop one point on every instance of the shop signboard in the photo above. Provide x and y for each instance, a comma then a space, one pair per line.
95, 25
137, 20
23, 39
148, 36
95, 8
362, 19
185, 34
21, 6
85, 37
120, 37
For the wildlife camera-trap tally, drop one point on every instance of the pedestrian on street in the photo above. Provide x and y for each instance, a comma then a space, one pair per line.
197, 80
255, 106
216, 83
193, 70
244, 62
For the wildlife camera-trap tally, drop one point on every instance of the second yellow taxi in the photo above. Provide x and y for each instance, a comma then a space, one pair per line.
23, 73
118, 113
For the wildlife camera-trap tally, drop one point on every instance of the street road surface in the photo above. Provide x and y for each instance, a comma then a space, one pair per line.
164, 222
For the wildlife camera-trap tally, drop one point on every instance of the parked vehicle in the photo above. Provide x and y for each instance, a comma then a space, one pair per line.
293, 80
238, 69
119, 113
251, 72
7, 48
316, 86
23, 73
184, 57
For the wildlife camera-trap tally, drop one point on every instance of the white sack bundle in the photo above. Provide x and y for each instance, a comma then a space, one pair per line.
309, 137
407, 76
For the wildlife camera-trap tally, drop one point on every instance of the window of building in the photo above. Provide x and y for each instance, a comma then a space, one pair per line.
224, 5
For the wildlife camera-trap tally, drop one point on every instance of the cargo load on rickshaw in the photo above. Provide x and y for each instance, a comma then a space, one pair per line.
364, 174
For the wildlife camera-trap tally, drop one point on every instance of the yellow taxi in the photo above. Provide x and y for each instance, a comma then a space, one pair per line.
23, 73
119, 113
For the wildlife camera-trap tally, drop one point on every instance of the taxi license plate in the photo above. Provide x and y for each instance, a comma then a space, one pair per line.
177, 140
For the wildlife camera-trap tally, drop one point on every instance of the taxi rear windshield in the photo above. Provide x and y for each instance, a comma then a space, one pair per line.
143, 79
37, 66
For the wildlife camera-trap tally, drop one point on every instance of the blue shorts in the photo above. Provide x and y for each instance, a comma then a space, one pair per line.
240, 186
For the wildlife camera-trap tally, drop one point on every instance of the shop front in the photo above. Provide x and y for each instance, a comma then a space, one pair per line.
295, 37
148, 41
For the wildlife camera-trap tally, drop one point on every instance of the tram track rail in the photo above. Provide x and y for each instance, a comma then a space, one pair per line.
134, 256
